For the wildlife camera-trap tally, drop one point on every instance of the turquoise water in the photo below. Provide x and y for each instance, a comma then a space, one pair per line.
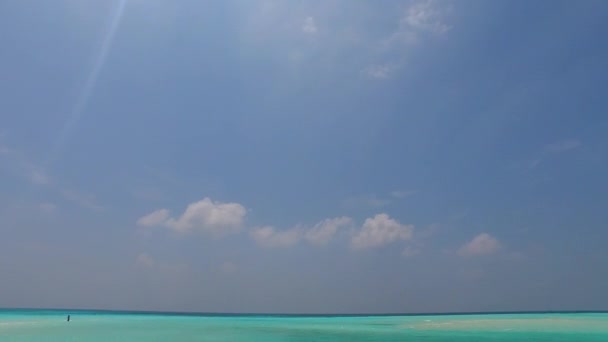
51, 325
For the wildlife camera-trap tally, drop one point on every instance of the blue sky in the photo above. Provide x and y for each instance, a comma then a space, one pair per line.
273, 156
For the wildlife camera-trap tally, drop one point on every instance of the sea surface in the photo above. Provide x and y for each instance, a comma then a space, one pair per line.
51, 325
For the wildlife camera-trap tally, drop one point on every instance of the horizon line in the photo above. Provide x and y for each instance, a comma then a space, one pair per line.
278, 314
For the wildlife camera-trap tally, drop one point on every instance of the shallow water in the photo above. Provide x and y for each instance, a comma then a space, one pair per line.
51, 325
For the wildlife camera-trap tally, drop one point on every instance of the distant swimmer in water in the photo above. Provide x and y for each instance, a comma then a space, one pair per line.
68, 318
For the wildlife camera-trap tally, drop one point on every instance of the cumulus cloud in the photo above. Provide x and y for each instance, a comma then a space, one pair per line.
155, 218
209, 216
324, 231
309, 26
380, 230
205, 216
563, 146
482, 244
271, 238
319, 234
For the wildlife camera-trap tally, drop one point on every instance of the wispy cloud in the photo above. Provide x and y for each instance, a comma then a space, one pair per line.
548, 152
380, 71
204, 216
375, 201
424, 16
380, 54
562, 146
39, 177
419, 19
20, 164
365, 201
84, 200
25, 168
309, 26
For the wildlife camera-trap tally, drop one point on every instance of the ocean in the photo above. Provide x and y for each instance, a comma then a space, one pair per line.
51, 325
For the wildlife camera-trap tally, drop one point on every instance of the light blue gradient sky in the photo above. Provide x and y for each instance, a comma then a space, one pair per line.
403, 156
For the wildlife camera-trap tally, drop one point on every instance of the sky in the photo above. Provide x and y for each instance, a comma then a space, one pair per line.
304, 156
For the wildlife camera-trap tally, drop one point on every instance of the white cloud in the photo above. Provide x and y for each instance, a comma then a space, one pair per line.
424, 16
419, 19
319, 234
482, 244
563, 146
205, 216
309, 26
380, 230
548, 151
278, 26
155, 218
325, 230
208, 216
271, 238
